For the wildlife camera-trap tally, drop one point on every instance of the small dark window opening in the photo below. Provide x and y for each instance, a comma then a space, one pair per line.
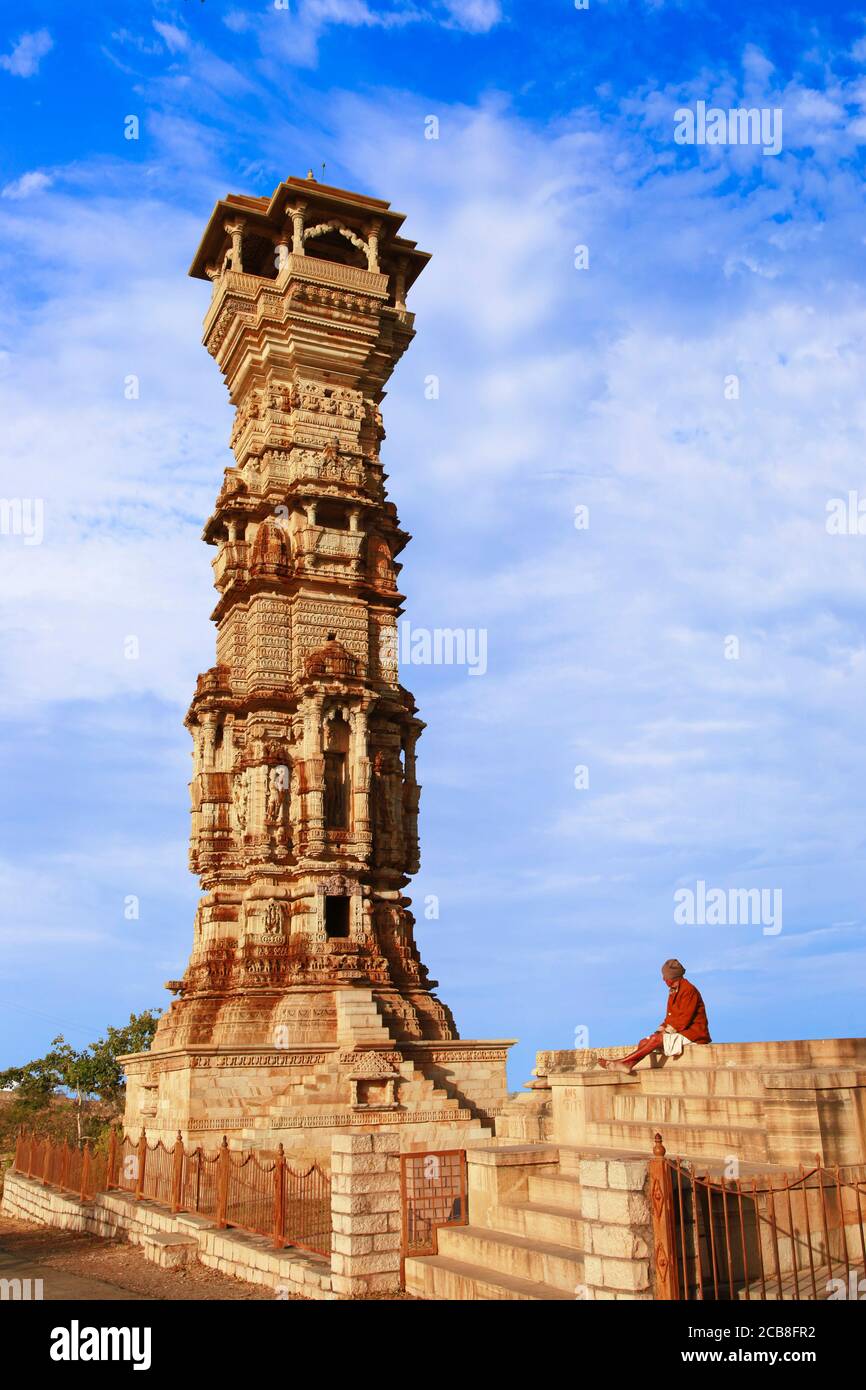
336, 916
332, 515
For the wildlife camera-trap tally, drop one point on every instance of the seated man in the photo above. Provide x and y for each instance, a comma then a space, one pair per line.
684, 1023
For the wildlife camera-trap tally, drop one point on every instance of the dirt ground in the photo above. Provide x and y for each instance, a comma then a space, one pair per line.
73, 1265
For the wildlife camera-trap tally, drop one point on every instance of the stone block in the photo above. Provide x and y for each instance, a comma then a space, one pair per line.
589, 1203
349, 1203
368, 1224
619, 1208
618, 1241
374, 1182
343, 1244
389, 1240
628, 1175
359, 1165
631, 1275
592, 1172
386, 1144
353, 1143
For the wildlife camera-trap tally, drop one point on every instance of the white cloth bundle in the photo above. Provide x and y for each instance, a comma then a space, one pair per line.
673, 1043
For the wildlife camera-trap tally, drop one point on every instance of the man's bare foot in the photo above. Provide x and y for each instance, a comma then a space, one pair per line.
615, 1066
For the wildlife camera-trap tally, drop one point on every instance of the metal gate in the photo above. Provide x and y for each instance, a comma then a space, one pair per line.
433, 1193
780, 1236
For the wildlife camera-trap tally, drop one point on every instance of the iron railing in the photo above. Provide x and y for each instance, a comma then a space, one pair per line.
249, 1191
772, 1237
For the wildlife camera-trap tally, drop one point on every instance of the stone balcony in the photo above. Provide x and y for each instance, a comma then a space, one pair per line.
230, 562
329, 545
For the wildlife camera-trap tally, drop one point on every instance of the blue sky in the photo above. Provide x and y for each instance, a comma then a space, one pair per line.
559, 387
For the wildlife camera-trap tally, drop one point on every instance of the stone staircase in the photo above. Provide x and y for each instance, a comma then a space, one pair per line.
359, 1022
451, 1120
528, 1246
762, 1103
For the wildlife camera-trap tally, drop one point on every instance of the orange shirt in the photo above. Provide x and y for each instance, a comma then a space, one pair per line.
686, 1012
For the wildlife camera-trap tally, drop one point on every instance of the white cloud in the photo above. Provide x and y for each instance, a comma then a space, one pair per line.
28, 184
27, 53
292, 33
475, 16
175, 39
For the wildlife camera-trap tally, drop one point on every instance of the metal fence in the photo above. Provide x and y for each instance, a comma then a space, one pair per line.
772, 1237
264, 1196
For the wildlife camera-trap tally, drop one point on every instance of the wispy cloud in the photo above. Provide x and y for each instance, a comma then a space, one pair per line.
27, 53
27, 185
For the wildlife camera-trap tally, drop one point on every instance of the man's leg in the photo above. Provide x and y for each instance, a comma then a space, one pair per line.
643, 1049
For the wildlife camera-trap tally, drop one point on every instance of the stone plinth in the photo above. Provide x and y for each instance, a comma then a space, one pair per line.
444, 1094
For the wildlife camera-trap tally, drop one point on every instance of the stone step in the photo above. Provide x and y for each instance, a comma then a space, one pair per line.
436, 1277
798, 1287
655, 1109
555, 1190
540, 1262
570, 1155
746, 1142
169, 1250
673, 1080
476, 1135
536, 1221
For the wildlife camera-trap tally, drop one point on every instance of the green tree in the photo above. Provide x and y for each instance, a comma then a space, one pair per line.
91, 1074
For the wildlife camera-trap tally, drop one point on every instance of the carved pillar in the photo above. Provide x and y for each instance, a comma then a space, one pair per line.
400, 284
361, 778
314, 775
208, 741
228, 752
236, 232
281, 246
373, 246
297, 215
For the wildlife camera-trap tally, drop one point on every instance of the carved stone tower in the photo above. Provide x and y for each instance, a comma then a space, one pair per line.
305, 1007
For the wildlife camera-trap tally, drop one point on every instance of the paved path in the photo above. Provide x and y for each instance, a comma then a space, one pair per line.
59, 1284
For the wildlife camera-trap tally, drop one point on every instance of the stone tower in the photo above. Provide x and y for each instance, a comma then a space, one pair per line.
305, 1007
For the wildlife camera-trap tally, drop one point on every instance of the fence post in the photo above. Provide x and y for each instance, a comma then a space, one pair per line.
111, 1161
64, 1167
223, 1184
142, 1160
280, 1198
46, 1155
661, 1201
177, 1174
85, 1170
